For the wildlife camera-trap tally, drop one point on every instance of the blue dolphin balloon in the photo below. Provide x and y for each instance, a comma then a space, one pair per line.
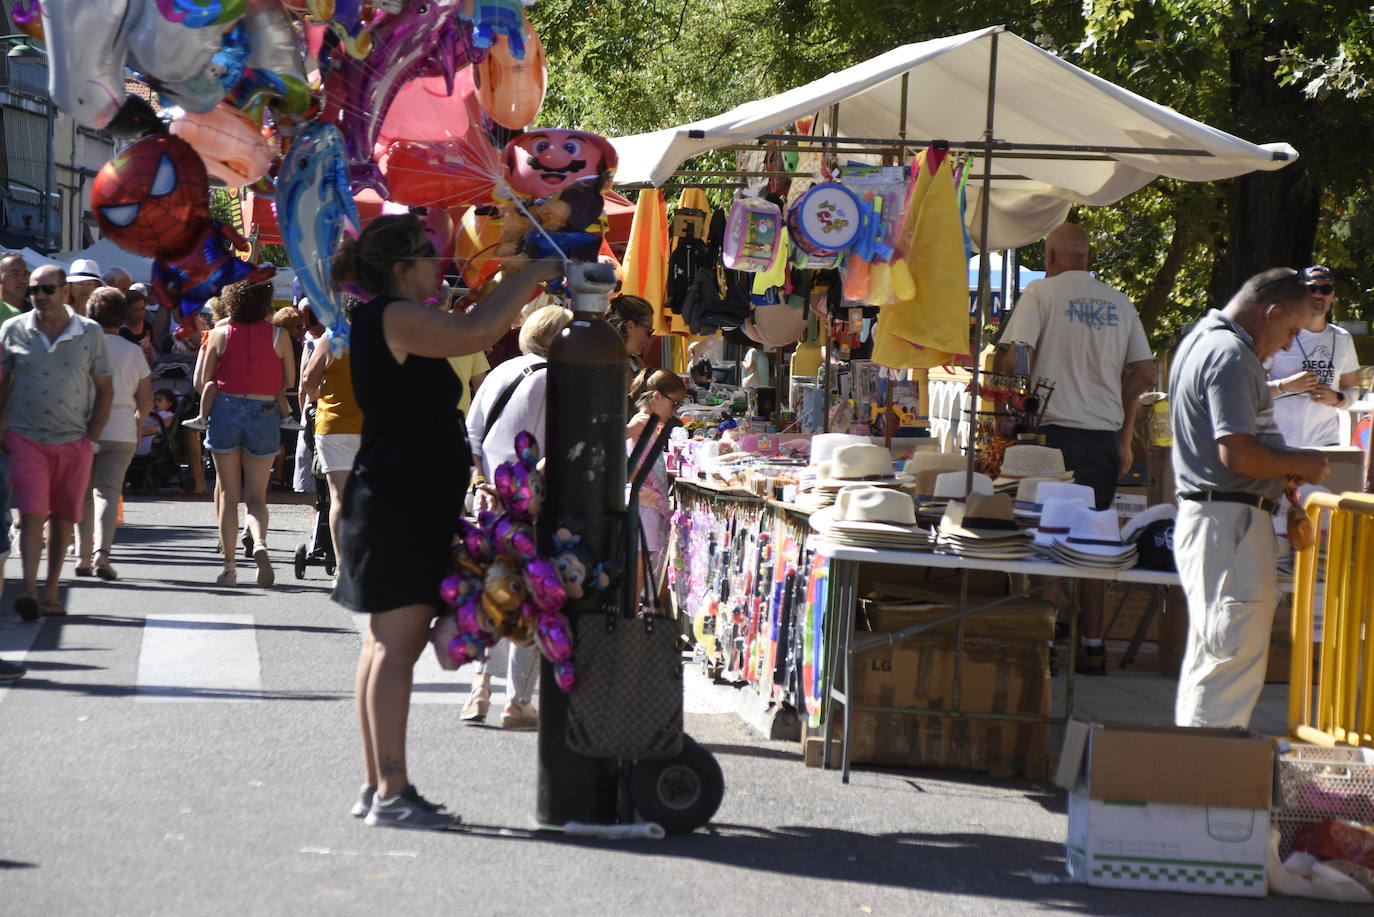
313, 206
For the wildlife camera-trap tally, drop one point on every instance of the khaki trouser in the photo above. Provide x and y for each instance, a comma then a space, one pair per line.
1225, 554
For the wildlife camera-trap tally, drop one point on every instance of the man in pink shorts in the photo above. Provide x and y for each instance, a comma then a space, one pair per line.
55, 394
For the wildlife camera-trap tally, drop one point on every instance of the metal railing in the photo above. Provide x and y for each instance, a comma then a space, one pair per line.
1335, 703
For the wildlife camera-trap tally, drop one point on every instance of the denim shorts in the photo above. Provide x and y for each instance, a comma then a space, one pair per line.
242, 423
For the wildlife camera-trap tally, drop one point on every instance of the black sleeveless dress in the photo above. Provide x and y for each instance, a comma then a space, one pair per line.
405, 494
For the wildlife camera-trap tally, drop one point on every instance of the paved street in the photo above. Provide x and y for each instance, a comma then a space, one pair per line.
181, 749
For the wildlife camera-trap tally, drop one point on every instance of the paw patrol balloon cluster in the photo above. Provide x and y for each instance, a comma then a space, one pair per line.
500, 586
426, 103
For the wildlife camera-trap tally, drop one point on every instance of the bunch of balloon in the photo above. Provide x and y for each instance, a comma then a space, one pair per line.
153, 199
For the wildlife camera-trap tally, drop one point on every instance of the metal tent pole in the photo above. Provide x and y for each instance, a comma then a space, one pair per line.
984, 291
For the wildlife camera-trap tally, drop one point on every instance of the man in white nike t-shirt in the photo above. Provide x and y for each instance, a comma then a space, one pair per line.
1317, 376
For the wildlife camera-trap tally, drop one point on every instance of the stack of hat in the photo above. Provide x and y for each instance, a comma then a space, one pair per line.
1041, 491
949, 488
865, 516
985, 528
1057, 509
861, 463
1028, 460
823, 449
1094, 540
925, 467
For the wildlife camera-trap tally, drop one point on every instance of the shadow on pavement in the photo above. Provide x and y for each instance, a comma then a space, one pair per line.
117, 621
178, 692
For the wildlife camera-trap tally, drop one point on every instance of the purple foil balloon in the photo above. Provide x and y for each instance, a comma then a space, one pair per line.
554, 638
565, 676
427, 38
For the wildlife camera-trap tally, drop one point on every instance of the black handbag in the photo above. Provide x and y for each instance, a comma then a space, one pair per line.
628, 699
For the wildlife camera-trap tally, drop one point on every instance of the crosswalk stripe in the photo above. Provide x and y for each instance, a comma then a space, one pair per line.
16, 637
199, 657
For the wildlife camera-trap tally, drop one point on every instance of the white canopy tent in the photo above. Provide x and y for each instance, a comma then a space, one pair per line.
1058, 134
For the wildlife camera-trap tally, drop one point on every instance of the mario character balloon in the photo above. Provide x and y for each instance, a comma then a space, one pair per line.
563, 174
153, 197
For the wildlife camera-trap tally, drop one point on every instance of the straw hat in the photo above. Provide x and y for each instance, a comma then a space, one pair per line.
1028, 460
938, 462
984, 517
865, 508
860, 463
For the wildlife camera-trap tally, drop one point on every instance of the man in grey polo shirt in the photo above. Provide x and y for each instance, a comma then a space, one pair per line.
55, 395
1230, 465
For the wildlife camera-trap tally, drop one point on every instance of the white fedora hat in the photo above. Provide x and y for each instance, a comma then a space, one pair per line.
1049, 490
860, 463
1028, 460
1097, 532
84, 269
823, 445
950, 486
1028, 499
1056, 515
864, 508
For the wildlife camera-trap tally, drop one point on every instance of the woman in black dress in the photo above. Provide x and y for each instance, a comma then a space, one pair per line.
404, 497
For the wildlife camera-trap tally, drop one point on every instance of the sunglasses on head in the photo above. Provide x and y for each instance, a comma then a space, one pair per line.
47, 289
1325, 289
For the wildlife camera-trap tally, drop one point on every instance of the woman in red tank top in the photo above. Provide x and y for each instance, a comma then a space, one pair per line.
251, 364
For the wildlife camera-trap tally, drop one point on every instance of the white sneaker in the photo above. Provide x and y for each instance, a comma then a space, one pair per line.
197, 423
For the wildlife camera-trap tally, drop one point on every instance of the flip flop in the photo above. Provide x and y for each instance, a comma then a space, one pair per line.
27, 607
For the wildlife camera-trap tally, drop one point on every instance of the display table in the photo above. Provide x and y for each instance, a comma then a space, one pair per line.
842, 602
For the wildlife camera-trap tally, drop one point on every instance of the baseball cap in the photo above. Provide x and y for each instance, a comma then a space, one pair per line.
1315, 271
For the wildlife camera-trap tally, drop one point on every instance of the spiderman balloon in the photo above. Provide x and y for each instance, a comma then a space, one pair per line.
153, 199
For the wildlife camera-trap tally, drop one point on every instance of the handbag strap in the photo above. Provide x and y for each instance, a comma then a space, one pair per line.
504, 398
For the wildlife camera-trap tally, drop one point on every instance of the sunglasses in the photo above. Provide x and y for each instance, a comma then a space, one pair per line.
1325, 289
47, 289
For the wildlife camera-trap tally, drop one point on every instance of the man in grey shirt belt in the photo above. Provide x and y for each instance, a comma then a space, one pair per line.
1230, 465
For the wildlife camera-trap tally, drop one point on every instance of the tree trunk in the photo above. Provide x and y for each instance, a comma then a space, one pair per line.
1161, 288
1272, 215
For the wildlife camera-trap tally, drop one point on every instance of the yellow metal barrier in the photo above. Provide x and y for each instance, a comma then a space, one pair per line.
1336, 705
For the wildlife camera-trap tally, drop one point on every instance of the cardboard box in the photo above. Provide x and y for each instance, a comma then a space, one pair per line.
1126, 607
998, 676
1162, 808
1347, 469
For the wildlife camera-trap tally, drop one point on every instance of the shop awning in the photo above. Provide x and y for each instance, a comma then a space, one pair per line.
1066, 136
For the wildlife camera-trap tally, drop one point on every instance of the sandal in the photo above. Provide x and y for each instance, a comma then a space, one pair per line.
84, 570
518, 715
227, 578
26, 606
53, 610
479, 701
103, 569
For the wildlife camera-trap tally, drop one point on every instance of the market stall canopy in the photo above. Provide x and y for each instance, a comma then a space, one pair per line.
107, 254
1119, 141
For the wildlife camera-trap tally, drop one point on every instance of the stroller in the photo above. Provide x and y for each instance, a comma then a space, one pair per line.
318, 551
148, 474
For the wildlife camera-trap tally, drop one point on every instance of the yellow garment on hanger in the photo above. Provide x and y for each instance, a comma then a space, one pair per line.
932, 325
646, 255
776, 275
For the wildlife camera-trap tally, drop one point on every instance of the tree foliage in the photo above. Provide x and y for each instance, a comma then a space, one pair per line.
1262, 69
